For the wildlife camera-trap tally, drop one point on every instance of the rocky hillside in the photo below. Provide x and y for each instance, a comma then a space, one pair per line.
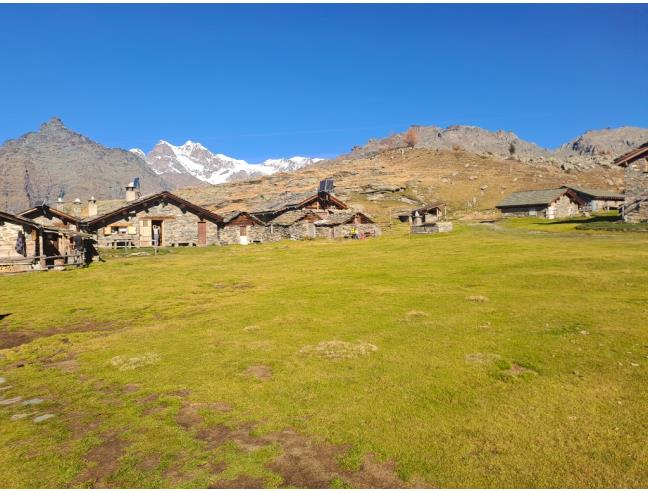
399, 179
55, 161
594, 148
192, 164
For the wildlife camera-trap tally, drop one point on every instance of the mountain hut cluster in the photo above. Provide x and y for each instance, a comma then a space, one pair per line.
62, 235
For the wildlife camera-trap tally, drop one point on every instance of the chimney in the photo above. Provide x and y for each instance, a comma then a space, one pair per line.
131, 192
59, 203
92, 207
76, 209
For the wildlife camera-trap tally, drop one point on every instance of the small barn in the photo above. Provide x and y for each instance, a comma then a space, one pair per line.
550, 204
161, 219
597, 200
635, 162
346, 225
239, 227
295, 224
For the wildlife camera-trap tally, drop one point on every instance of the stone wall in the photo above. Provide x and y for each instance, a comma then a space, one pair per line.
345, 231
231, 234
178, 228
532, 211
8, 235
636, 187
563, 207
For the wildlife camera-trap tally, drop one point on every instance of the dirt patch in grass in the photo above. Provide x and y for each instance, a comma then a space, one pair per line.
102, 461
302, 463
517, 370
131, 363
336, 349
264, 373
240, 482
476, 298
11, 339
417, 314
480, 358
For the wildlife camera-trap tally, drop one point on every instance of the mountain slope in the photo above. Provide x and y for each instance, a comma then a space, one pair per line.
594, 148
55, 161
192, 164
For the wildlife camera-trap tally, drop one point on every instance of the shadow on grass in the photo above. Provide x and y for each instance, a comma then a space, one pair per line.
604, 219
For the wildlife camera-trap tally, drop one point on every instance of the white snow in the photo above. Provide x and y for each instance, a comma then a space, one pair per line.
195, 159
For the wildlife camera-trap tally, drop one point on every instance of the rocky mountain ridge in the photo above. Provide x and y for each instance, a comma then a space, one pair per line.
593, 148
56, 161
192, 164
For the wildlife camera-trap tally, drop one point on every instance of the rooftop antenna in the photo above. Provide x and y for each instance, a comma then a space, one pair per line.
136, 183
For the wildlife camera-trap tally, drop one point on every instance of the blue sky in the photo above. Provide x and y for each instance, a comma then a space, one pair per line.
261, 81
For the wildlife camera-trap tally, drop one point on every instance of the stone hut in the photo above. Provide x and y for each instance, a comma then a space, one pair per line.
295, 224
341, 225
596, 200
174, 221
428, 214
321, 201
240, 227
550, 204
45, 215
635, 162
27, 245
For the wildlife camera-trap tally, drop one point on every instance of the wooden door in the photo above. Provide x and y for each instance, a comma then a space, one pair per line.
202, 233
145, 239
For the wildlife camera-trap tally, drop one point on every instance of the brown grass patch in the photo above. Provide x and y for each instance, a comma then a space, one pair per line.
259, 371
240, 482
476, 298
102, 461
11, 339
336, 349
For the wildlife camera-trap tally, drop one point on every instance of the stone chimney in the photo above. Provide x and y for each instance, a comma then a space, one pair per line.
76, 208
92, 207
132, 193
59, 203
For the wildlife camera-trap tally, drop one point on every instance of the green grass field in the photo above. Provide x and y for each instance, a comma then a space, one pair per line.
488, 357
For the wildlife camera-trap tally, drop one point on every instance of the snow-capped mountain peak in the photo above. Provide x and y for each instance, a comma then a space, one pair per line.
192, 163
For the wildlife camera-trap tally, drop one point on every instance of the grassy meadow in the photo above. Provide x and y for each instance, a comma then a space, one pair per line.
487, 357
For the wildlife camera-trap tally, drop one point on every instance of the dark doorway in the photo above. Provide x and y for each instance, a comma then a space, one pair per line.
157, 224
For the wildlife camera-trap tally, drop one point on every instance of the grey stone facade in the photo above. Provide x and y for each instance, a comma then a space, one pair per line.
636, 191
178, 228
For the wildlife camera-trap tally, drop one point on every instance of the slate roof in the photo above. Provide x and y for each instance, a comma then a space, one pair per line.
289, 200
163, 195
597, 193
16, 219
229, 216
292, 216
340, 218
429, 206
533, 197
628, 157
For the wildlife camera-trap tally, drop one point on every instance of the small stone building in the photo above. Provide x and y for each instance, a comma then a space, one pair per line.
27, 245
320, 201
240, 227
549, 204
174, 220
295, 224
635, 162
596, 200
344, 224
47, 216
428, 214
